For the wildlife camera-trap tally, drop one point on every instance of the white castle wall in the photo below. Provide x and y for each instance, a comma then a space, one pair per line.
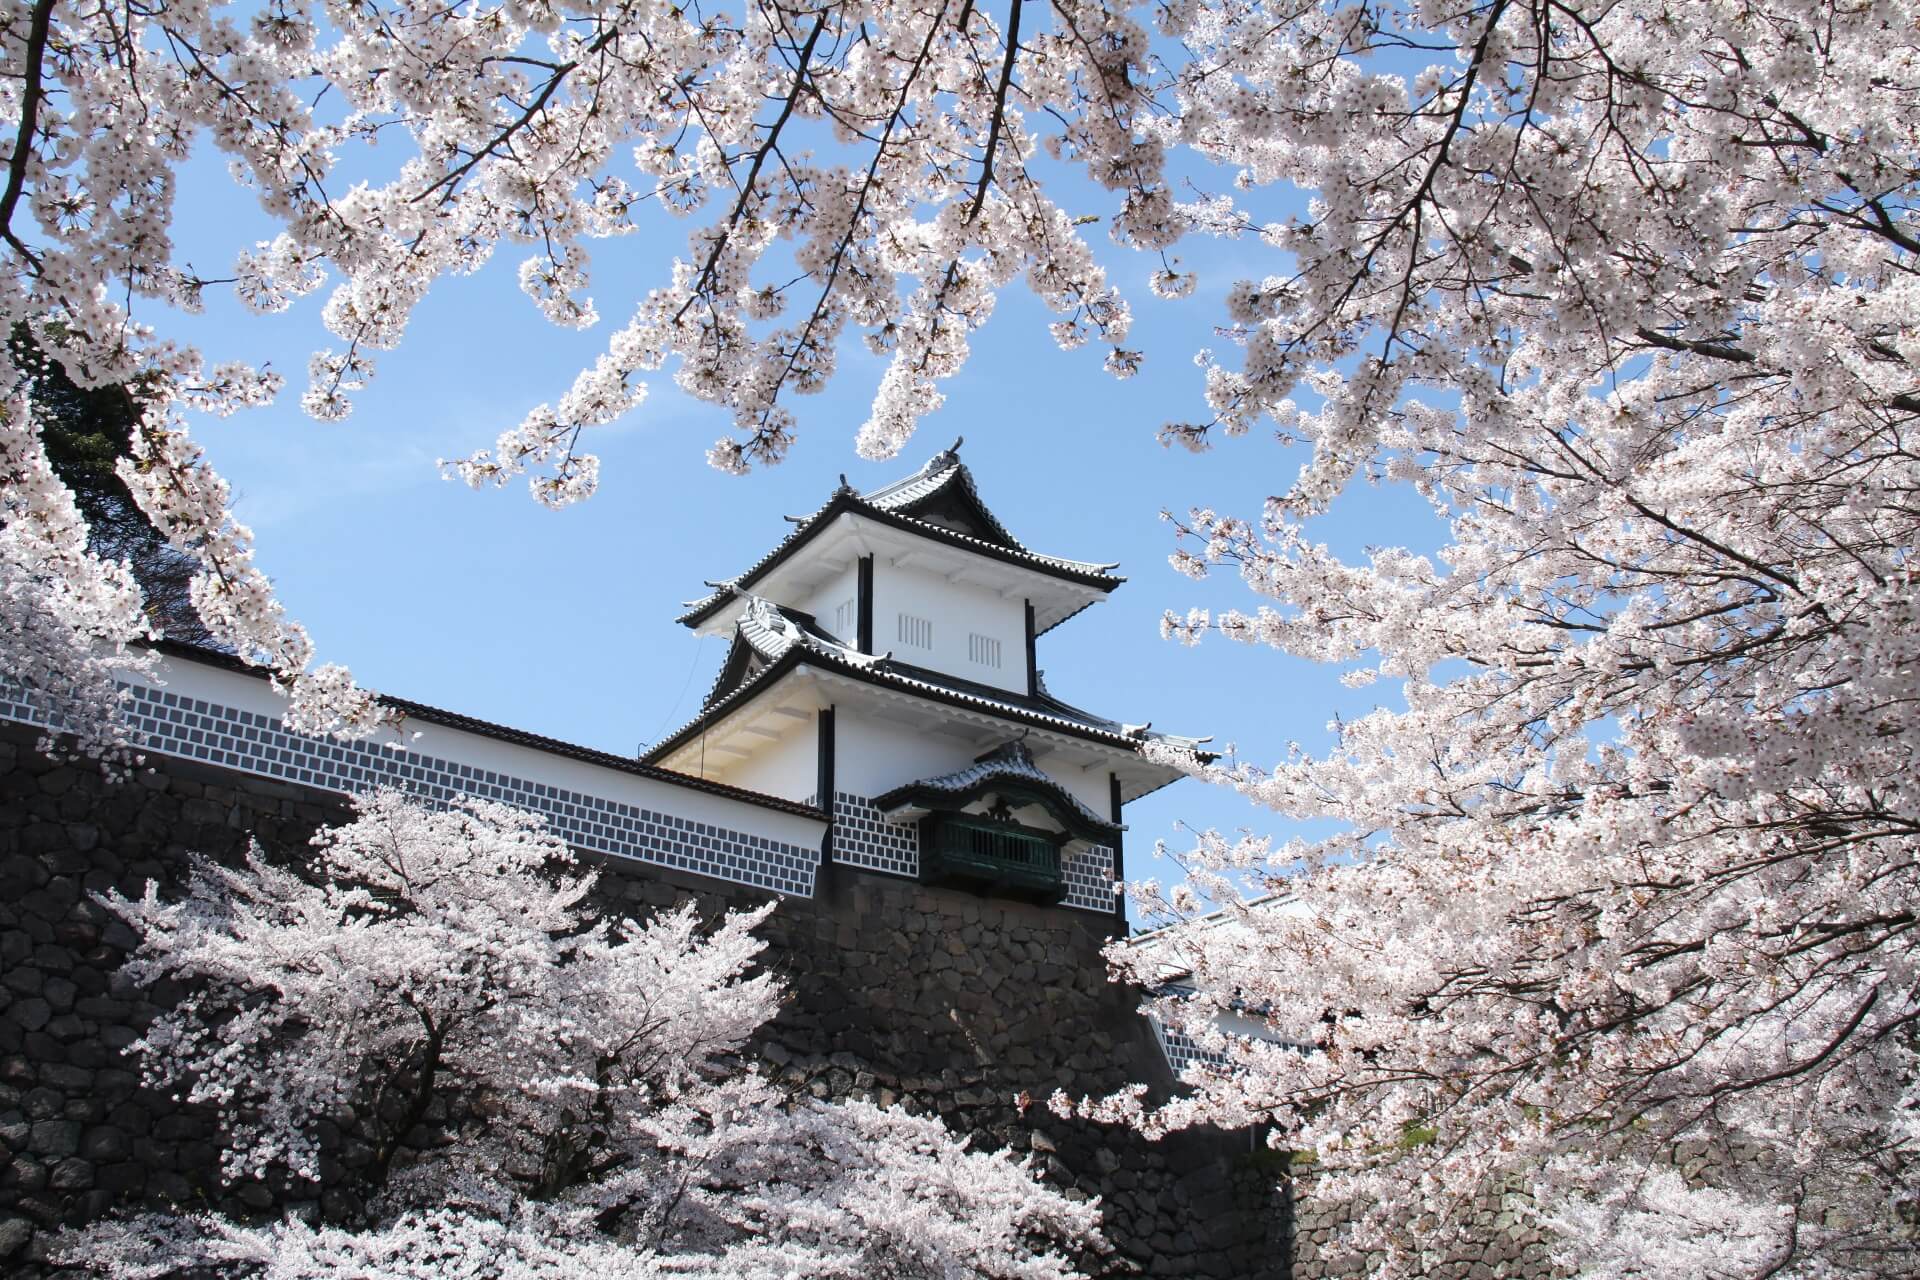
956, 611
1092, 787
872, 756
788, 768
835, 605
197, 711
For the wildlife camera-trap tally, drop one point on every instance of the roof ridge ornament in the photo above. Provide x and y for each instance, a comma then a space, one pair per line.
947, 457
1014, 750
729, 585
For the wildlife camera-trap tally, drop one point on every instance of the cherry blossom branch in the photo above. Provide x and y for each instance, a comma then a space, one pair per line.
999, 109
23, 151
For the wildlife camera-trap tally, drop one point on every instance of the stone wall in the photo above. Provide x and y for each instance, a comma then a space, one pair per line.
1508, 1246
937, 1000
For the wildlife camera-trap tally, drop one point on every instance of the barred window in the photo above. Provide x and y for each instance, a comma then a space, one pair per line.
916, 632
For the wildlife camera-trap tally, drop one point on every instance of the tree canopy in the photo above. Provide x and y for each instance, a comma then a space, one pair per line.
1625, 289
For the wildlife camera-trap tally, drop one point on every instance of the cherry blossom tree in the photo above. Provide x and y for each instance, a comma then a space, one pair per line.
1618, 926
843, 164
541, 1092
1626, 290
67, 614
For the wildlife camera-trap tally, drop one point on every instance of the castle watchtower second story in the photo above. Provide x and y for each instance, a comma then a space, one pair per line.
884, 666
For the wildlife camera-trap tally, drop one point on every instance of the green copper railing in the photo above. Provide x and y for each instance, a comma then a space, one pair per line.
983, 852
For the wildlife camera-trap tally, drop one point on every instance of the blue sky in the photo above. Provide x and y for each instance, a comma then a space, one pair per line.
561, 623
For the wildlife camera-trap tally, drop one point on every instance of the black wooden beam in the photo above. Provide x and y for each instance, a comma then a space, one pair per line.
1119, 853
823, 785
824, 761
1033, 656
864, 641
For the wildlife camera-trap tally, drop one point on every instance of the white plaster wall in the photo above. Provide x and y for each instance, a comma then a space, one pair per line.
956, 611
843, 588
873, 756
1089, 786
248, 693
788, 768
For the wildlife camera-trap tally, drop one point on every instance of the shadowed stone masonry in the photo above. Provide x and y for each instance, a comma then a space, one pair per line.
935, 999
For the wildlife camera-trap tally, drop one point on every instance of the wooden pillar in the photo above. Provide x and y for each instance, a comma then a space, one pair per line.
1119, 853
1033, 656
864, 640
823, 787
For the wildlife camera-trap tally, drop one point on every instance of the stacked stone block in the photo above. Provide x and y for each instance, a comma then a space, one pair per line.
970, 1008
1507, 1245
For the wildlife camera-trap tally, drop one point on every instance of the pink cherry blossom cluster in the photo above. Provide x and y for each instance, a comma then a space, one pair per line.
66, 615
583, 1080
1616, 931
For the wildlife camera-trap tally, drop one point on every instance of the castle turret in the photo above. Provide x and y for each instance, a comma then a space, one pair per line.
883, 667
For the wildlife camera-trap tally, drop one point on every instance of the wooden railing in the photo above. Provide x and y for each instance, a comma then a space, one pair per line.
984, 852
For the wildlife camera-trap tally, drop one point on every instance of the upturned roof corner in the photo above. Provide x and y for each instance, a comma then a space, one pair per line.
940, 502
771, 639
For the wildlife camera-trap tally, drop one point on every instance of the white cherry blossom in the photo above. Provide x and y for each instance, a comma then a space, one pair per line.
1617, 927
543, 1093
843, 166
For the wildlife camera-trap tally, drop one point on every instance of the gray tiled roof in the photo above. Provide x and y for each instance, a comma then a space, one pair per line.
1009, 761
775, 632
945, 471
897, 503
941, 472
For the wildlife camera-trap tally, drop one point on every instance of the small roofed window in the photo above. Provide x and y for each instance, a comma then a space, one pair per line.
984, 650
916, 632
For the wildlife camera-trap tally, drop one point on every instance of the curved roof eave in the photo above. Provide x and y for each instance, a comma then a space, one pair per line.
797, 655
847, 502
1007, 768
